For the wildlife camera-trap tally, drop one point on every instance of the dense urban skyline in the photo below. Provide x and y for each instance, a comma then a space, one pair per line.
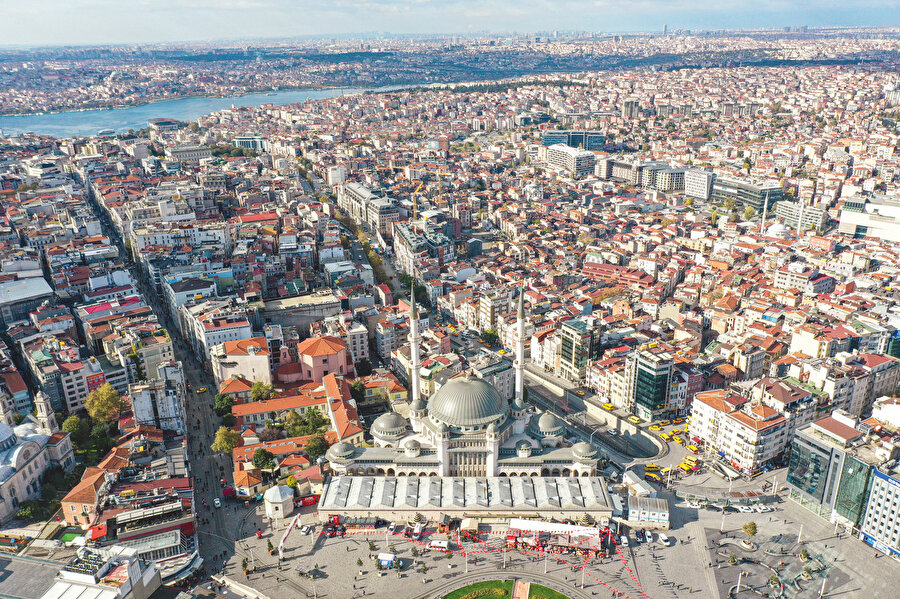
54, 22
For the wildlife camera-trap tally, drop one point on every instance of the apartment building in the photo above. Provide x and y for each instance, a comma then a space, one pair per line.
579, 163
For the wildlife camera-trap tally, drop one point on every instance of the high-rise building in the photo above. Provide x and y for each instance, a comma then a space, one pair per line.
650, 371
579, 346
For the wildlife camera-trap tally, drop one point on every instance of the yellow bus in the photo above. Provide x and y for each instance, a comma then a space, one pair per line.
651, 468
693, 448
652, 476
634, 420
692, 460
686, 467
665, 437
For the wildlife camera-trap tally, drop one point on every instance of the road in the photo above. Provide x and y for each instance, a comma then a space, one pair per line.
207, 468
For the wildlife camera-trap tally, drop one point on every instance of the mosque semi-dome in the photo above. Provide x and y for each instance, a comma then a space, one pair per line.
390, 425
467, 402
340, 451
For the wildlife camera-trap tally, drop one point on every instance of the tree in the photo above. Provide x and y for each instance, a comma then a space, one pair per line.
415, 551
730, 204
270, 433
270, 547
317, 446
223, 405
228, 420
263, 459
244, 565
714, 218
749, 211
490, 336
358, 389
423, 569
359, 562
226, 440
774, 580
732, 559
291, 481
363, 367
105, 404
100, 438
260, 391
78, 427
749, 528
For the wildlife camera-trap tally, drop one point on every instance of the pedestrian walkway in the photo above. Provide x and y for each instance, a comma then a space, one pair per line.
521, 590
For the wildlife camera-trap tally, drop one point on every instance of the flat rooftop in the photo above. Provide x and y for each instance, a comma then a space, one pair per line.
466, 496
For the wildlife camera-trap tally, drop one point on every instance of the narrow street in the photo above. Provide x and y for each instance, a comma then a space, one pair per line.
216, 541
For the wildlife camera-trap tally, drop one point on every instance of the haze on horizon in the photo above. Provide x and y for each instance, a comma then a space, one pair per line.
94, 22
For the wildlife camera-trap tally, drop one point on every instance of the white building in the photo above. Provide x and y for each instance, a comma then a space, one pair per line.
27, 451
579, 163
698, 183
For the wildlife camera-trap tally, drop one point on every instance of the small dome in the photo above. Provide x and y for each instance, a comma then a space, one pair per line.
518, 405
465, 402
340, 451
584, 450
391, 424
548, 425
6, 432
776, 230
412, 444
417, 406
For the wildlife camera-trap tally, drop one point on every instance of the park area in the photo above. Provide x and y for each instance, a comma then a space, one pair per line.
501, 589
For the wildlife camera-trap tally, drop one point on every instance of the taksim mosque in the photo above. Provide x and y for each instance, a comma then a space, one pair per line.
468, 452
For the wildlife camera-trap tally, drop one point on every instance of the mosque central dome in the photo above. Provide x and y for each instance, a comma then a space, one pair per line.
465, 402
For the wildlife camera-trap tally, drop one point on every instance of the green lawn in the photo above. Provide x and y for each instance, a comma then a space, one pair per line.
539, 592
68, 537
506, 585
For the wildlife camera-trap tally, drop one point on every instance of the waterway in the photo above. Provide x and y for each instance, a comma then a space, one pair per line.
89, 122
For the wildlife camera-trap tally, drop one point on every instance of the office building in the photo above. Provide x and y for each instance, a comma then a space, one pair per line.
746, 193
579, 345
585, 140
871, 216
650, 377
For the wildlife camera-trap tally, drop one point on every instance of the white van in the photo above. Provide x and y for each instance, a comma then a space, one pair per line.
663, 539
439, 545
624, 540
417, 532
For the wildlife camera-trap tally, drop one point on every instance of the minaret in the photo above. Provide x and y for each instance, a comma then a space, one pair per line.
414, 340
519, 365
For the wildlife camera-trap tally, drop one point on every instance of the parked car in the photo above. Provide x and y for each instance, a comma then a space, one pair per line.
663, 539
217, 502
762, 509
624, 540
745, 509
694, 504
306, 529
639, 535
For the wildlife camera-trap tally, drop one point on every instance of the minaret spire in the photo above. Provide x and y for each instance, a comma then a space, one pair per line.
414, 340
519, 365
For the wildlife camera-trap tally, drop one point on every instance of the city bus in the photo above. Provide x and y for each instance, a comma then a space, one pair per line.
652, 476
693, 449
651, 468
691, 459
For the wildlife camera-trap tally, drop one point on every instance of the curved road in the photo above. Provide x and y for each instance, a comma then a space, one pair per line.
467, 579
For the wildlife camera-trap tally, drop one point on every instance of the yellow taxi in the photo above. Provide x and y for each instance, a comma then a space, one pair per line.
579, 392
501, 352
678, 421
634, 420
665, 422
675, 431
655, 427
678, 440
608, 407
202, 390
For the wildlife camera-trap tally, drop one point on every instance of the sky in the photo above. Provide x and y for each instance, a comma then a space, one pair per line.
91, 22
